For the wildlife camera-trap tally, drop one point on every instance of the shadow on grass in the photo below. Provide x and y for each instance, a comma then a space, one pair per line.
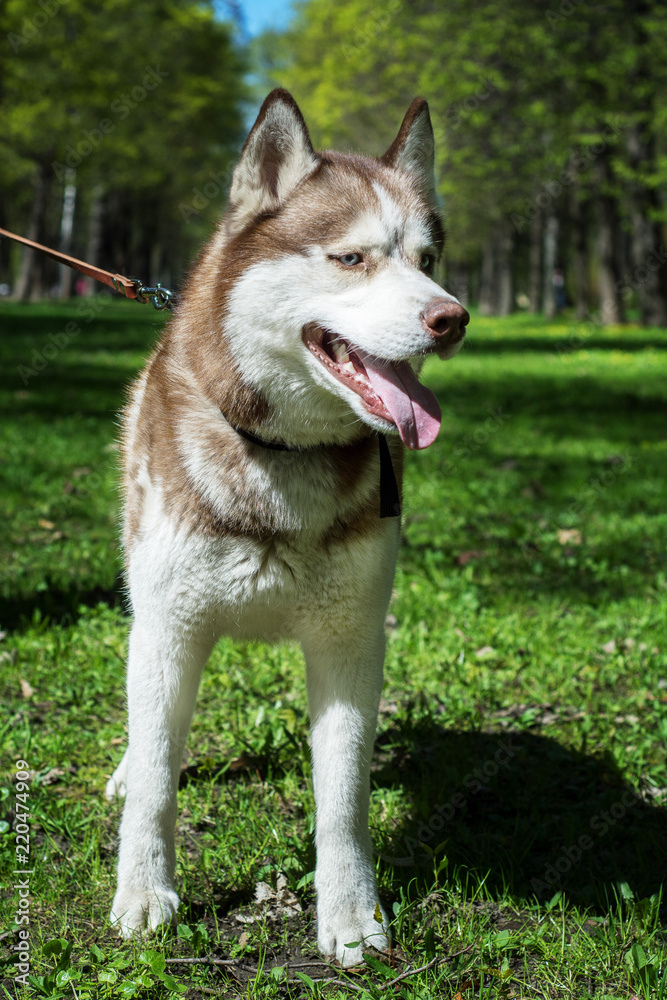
59, 605
522, 810
576, 341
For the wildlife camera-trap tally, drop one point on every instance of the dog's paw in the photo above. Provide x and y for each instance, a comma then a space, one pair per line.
137, 912
114, 788
116, 785
346, 936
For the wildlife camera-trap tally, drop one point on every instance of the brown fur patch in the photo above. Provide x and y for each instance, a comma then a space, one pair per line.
193, 365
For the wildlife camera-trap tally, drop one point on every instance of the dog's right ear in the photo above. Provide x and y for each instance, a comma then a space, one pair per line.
413, 148
276, 157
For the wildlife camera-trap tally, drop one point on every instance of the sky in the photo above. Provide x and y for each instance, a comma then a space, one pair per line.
262, 14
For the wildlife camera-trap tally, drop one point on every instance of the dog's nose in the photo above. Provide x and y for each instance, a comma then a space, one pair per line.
445, 319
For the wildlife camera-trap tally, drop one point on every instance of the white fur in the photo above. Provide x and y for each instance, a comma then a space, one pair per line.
188, 588
378, 312
186, 591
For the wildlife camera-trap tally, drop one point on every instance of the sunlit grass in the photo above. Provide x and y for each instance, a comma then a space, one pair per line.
525, 704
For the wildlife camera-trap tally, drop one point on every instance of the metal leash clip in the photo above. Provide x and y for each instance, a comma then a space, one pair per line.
162, 297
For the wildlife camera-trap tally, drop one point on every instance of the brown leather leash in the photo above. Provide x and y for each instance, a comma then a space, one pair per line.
131, 288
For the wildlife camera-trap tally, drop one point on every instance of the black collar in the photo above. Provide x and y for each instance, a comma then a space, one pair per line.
273, 445
390, 499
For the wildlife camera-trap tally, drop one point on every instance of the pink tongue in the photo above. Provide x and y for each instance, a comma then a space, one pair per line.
415, 409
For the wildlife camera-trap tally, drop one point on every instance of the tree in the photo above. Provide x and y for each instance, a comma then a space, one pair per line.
143, 103
539, 110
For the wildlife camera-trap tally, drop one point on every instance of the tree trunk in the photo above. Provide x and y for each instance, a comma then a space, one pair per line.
550, 259
649, 276
488, 292
609, 280
94, 241
66, 274
505, 275
27, 269
456, 282
535, 265
156, 268
579, 216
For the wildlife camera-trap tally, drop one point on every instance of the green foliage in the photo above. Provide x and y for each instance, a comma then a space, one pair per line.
520, 93
142, 102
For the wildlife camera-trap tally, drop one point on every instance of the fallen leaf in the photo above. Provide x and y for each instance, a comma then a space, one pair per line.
246, 762
26, 690
569, 536
269, 902
117, 740
485, 652
49, 525
54, 775
82, 471
463, 558
387, 707
609, 647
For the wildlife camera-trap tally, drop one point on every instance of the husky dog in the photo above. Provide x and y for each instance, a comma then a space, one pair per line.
261, 445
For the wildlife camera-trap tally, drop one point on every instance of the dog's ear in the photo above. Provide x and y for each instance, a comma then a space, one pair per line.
276, 157
413, 149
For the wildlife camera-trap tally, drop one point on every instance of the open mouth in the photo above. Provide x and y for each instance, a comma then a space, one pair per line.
388, 389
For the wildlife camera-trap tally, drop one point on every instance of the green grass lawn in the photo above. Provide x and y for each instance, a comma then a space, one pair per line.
519, 798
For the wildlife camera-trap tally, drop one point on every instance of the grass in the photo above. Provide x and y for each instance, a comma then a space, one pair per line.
519, 788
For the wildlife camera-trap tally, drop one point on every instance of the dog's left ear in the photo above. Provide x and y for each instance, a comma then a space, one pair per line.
413, 149
277, 156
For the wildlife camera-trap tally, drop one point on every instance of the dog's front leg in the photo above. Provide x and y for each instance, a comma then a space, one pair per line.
344, 682
163, 677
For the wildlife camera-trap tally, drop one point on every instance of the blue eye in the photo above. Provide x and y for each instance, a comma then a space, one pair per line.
350, 259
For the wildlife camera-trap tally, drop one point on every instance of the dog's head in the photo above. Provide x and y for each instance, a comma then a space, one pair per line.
330, 264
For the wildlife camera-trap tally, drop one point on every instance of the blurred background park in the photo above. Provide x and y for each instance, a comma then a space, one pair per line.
120, 124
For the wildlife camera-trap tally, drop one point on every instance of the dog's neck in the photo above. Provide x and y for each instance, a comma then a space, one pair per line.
390, 498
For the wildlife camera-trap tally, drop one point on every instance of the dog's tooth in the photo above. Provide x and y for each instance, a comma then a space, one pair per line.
349, 367
340, 352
